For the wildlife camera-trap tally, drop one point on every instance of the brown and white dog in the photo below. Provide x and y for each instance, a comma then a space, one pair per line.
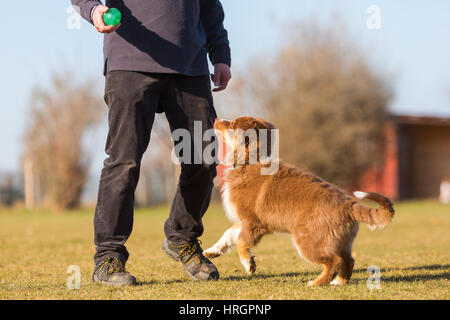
322, 219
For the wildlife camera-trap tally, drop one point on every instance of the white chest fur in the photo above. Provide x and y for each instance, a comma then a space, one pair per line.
230, 208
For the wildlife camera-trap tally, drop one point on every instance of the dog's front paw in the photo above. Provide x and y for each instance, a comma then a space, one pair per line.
310, 283
212, 253
249, 265
314, 283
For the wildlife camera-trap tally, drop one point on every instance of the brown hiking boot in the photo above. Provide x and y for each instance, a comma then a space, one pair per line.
112, 271
196, 265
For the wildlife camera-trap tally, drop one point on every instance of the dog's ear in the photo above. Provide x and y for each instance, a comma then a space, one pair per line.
270, 125
268, 146
265, 124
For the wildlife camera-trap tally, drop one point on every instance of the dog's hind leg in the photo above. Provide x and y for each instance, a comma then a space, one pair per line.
346, 270
345, 252
331, 262
225, 243
331, 266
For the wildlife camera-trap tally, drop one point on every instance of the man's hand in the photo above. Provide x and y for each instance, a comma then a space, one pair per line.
221, 76
97, 19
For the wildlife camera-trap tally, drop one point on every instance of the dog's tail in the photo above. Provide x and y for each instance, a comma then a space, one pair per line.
375, 218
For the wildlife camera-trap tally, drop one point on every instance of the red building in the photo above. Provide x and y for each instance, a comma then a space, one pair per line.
416, 158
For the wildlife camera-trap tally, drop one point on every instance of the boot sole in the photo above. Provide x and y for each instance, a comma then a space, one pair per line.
96, 280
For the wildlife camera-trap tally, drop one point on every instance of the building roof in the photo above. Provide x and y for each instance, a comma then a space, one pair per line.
421, 120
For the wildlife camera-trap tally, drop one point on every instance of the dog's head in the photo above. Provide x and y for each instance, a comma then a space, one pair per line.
248, 140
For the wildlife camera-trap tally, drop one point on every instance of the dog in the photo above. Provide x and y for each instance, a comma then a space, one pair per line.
322, 219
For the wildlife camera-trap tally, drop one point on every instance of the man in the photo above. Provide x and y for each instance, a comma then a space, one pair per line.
156, 61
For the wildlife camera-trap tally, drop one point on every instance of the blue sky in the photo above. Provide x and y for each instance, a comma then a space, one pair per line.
413, 45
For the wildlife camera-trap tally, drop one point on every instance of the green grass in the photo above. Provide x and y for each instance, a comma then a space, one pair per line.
36, 249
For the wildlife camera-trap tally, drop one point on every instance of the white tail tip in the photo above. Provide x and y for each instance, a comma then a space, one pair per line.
360, 195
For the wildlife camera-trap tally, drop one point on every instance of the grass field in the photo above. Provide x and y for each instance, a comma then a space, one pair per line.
36, 249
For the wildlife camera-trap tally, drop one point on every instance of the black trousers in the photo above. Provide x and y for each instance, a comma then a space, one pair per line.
133, 98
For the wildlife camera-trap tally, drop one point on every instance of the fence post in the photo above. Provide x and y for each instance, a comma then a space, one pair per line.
29, 184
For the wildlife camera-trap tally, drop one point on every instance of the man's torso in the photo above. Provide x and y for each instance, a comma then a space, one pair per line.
157, 36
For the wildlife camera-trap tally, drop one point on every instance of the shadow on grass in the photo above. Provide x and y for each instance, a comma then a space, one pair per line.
410, 278
441, 267
445, 274
430, 267
154, 282
269, 276
230, 278
414, 278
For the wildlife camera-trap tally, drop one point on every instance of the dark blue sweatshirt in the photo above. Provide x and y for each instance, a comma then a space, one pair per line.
164, 36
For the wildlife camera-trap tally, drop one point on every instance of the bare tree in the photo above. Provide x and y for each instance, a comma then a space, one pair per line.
329, 103
56, 138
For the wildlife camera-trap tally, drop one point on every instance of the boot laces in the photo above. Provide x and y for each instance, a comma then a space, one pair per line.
191, 252
112, 265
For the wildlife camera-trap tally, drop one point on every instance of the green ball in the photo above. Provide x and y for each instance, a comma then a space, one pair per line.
112, 17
